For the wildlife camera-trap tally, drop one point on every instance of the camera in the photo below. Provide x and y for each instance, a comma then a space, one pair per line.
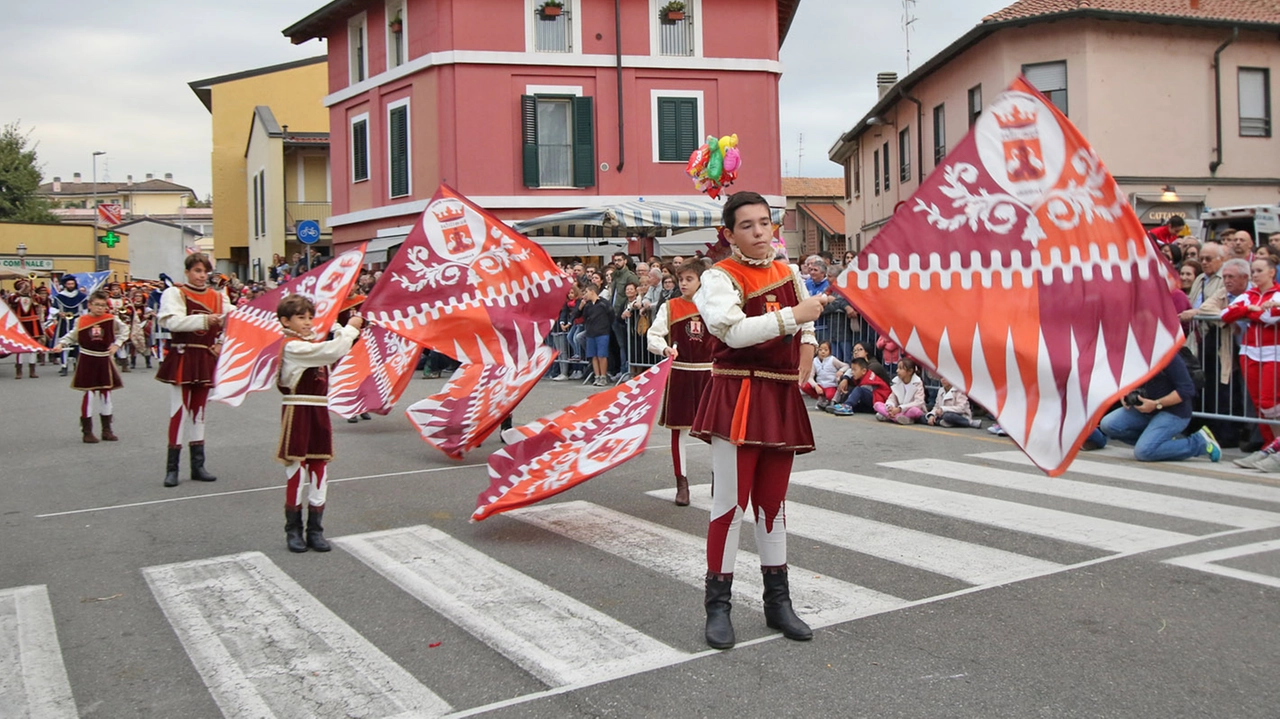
1133, 399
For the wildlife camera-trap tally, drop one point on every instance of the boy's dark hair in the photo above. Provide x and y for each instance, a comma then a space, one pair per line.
736, 200
100, 295
695, 266
294, 306
860, 362
908, 364
1176, 222
198, 258
590, 287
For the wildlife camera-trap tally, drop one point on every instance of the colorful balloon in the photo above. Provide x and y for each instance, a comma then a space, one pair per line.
715, 164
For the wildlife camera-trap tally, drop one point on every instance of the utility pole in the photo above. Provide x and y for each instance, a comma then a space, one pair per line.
800, 157
95, 207
908, 19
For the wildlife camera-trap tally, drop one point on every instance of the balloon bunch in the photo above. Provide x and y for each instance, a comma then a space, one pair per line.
715, 165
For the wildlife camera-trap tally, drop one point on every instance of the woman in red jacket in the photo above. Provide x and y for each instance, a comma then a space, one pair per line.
1260, 345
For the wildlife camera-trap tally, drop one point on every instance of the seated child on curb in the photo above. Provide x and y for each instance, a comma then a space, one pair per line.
906, 403
867, 389
951, 409
826, 373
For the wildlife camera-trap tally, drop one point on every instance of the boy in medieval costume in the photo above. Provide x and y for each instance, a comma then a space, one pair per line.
194, 314
691, 349
98, 335
27, 309
306, 435
752, 412
64, 308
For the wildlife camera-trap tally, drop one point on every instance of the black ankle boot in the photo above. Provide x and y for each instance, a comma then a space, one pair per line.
315, 531
719, 628
198, 472
293, 531
171, 467
777, 606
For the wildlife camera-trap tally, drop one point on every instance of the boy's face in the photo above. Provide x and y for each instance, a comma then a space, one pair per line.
98, 307
298, 324
590, 294
689, 284
198, 275
752, 231
858, 372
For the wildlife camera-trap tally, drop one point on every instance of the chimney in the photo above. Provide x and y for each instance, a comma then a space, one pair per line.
148, 175
128, 179
1195, 4
57, 184
885, 81
168, 177
75, 177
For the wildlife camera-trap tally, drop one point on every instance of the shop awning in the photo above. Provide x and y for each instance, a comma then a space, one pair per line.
830, 217
629, 219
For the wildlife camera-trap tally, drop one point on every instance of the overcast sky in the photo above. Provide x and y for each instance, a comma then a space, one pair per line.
85, 75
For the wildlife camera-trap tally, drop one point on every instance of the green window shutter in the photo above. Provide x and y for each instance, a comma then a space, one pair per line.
360, 151
529, 138
398, 137
668, 130
687, 123
584, 143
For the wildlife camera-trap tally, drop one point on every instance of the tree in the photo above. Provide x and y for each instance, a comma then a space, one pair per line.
20, 178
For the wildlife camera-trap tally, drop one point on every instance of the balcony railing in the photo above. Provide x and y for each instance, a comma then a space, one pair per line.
295, 212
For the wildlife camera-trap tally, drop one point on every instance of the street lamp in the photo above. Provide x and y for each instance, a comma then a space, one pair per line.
22, 260
95, 207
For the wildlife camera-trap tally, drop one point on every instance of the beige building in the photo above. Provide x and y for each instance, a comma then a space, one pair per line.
814, 221
1174, 96
73, 201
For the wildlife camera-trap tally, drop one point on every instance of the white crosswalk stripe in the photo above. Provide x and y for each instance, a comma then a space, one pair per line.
33, 680
1065, 526
267, 648
973, 563
1209, 562
1211, 512
821, 600
551, 635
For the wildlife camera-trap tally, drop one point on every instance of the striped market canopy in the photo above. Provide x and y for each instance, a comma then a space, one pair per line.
630, 219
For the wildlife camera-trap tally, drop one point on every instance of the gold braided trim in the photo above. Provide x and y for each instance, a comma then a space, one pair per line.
774, 286
782, 324
756, 373
184, 345
305, 399
693, 366
95, 353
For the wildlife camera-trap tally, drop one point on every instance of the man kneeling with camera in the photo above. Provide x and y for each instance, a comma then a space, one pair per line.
1154, 415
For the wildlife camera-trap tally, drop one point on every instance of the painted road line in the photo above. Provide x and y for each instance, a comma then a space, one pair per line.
1201, 511
1157, 477
1074, 528
968, 562
1207, 562
33, 680
820, 600
267, 648
552, 636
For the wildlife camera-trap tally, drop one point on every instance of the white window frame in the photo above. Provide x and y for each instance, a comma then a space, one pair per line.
408, 146
574, 90
351, 149
653, 118
357, 22
401, 8
574, 7
655, 42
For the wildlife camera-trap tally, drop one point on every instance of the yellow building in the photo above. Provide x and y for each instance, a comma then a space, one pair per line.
73, 201
293, 92
59, 249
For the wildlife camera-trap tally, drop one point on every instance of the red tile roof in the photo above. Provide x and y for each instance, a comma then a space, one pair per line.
831, 217
1248, 11
813, 187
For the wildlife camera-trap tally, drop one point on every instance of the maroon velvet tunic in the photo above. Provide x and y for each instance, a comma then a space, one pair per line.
305, 431
95, 369
691, 370
754, 395
27, 309
191, 358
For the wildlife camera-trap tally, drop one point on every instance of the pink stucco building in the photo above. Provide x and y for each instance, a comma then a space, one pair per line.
1175, 95
530, 111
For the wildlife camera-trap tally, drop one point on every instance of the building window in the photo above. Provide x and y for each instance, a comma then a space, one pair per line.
360, 148
1255, 102
885, 157
875, 165
395, 34
676, 37
257, 202
904, 154
398, 148
975, 103
856, 171
1049, 78
939, 134
558, 134
679, 128
552, 33
358, 51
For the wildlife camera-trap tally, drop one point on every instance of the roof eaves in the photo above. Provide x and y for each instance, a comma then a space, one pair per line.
203, 88
313, 25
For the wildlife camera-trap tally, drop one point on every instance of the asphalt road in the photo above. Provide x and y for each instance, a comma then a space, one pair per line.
945, 585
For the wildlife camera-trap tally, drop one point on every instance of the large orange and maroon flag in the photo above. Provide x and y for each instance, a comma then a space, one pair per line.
570, 447
1019, 272
13, 338
374, 374
468, 286
250, 357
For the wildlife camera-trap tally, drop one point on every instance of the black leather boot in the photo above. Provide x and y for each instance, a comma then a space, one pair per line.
777, 606
315, 531
293, 531
86, 431
198, 472
719, 628
171, 467
107, 434
682, 491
